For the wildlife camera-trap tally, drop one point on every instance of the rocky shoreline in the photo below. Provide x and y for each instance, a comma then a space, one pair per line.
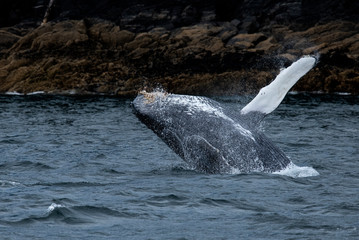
196, 50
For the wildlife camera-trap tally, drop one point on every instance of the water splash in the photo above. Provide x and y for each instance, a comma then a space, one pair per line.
53, 206
295, 171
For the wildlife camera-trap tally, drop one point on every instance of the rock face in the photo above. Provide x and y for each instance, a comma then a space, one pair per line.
213, 48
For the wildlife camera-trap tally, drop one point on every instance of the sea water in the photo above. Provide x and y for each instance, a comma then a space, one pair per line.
86, 168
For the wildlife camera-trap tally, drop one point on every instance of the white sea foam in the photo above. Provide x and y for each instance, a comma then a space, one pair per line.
21, 94
295, 171
36, 92
13, 93
293, 93
53, 206
343, 93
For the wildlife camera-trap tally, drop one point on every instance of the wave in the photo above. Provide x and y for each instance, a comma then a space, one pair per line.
22, 94
320, 93
53, 206
26, 164
74, 184
36, 92
291, 170
65, 92
62, 213
11, 141
14, 93
7, 183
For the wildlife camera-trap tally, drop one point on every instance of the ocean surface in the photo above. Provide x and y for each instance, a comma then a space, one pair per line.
86, 168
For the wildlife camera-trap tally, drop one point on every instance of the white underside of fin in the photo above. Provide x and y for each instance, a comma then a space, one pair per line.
269, 97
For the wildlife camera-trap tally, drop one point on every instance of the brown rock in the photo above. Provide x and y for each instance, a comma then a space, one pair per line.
139, 53
94, 56
7, 39
61, 35
110, 35
246, 40
142, 40
268, 45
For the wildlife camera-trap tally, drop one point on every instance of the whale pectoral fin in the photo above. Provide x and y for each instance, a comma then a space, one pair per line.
269, 97
204, 156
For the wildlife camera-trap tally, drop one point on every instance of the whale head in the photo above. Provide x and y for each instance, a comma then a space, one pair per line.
150, 108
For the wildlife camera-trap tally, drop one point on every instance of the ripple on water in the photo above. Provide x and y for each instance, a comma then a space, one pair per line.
7, 183
72, 166
25, 164
78, 214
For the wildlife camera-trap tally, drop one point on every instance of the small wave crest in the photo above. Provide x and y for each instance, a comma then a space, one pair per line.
295, 171
36, 93
21, 94
14, 93
59, 212
6, 183
86, 214
53, 206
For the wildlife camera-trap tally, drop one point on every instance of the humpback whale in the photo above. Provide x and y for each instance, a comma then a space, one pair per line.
212, 139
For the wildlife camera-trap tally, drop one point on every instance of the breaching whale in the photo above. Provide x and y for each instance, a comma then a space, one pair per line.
212, 139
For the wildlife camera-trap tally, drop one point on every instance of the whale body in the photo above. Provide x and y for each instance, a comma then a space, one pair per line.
212, 139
